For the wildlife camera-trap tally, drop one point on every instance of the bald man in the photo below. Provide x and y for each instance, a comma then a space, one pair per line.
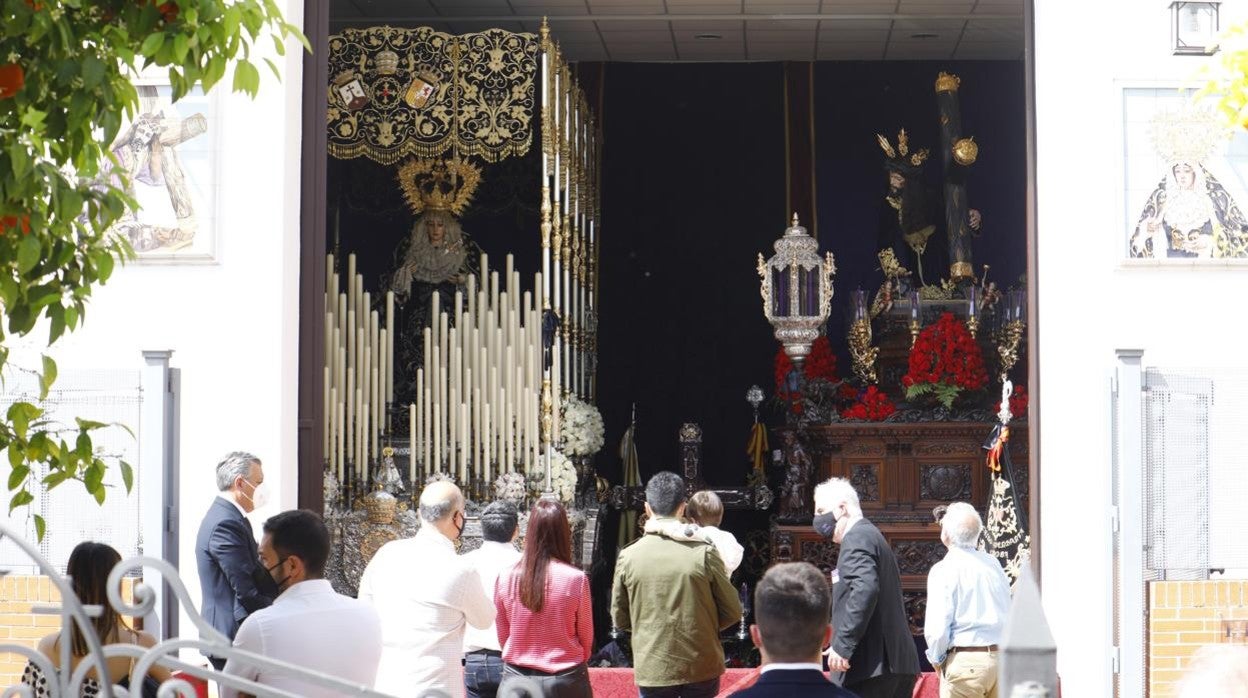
425, 595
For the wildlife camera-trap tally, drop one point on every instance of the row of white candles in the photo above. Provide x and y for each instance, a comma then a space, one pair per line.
358, 371
478, 409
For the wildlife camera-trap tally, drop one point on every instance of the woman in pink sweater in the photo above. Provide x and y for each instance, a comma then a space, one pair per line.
545, 622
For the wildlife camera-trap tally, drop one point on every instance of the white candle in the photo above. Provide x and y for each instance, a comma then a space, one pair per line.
485, 270
515, 296
470, 428
428, 353
509, 267
362, 470
349, 397
352, 356
383, 398
439, 399
477, 444
437, 436
452, 443
376, 412
342, 439
390, 346
426, 431
331, 408
411, 454
435, 310
418, 422
463, 461
351, 280
472, 297
359, 431
487, 442
508, 429
459, 305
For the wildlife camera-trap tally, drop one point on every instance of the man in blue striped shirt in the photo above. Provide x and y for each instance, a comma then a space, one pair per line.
968, 600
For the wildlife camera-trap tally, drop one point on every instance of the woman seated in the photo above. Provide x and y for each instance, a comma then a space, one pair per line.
88, 569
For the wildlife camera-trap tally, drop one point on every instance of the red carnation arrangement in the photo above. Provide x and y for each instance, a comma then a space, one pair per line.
872, 406
820, 363
1018, 402
944, 361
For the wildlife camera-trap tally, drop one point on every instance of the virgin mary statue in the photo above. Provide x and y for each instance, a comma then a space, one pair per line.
435, 258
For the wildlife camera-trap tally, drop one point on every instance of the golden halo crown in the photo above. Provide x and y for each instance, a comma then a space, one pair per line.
434, 184
1188, 133
901, 155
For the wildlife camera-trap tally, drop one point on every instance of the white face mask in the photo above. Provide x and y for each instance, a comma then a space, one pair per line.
259, 496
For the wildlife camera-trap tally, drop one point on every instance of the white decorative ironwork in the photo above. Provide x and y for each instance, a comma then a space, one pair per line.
797, 290
63, 683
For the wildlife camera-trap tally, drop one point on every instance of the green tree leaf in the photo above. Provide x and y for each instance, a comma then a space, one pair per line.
20, 499
41, 527
28, 254
127, 475
47, 378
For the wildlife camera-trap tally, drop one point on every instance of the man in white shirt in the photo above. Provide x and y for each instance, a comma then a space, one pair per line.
308, 624
968, 600
426, 595
483, 655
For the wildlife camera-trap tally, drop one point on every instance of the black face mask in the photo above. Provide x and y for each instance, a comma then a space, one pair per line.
825, 524
279, 582
463, 521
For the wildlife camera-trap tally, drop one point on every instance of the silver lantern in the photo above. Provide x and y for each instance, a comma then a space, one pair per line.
797, 290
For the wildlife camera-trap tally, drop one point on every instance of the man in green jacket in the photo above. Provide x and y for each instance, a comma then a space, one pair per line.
675, 597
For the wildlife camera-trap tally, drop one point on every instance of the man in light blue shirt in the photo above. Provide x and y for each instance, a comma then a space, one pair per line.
968, 600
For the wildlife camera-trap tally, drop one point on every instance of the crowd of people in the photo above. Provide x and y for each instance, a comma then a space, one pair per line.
428, 621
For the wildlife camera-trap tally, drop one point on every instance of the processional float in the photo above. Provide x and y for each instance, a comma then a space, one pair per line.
495, 360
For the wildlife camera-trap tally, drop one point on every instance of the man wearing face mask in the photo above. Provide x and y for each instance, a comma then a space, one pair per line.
426, 595
308, 624
872, 652
232, 583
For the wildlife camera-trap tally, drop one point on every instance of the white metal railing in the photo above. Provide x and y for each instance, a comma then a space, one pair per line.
64, 683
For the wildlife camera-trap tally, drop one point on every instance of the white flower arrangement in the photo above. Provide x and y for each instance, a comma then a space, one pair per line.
583, 430
562, 477
439, 477
511, 487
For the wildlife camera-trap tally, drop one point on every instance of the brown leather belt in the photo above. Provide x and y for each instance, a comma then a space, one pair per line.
981, 648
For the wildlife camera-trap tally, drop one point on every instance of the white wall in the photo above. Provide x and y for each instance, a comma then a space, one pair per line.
232, 324
1090, 303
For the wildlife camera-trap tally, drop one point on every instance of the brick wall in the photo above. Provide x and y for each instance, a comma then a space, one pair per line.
18, 625
21, 627
1183, 616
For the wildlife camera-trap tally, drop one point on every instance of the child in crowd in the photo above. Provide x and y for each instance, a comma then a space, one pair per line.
704, 512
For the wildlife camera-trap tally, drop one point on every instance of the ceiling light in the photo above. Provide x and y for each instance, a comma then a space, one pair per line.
708, 36
924, 35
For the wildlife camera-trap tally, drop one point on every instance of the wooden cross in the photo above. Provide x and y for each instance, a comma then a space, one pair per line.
748, 497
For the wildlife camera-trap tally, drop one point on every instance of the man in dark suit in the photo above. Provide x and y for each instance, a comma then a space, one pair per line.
872, 648
791, 605
232, 583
